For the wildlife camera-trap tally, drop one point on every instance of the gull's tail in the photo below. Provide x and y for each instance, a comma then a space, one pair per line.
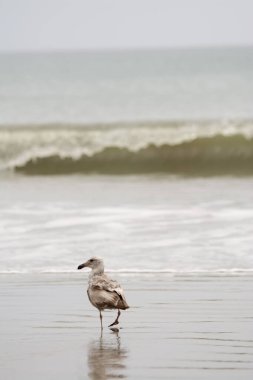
123, 303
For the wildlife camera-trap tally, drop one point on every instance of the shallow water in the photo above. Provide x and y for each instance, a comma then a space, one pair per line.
194, 326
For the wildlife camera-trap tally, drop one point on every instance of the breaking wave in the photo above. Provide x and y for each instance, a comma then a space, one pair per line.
187, 148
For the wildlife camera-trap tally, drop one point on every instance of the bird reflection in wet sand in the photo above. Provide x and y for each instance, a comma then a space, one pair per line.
106, 358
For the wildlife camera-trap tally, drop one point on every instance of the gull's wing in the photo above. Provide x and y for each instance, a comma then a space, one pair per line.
103, 282
110, 290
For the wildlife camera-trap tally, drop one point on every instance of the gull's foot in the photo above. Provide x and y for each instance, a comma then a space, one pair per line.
114, 323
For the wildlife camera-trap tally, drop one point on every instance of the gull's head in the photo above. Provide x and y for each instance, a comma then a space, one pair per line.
95, 263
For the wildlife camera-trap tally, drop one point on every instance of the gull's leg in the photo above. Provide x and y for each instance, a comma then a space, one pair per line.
101, 319
116, 320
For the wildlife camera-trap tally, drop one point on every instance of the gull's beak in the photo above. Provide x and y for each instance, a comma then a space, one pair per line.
81, 266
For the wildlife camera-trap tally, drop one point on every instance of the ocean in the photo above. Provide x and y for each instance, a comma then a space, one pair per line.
142, 157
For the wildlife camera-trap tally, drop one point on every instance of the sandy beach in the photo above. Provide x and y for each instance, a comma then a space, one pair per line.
178, 327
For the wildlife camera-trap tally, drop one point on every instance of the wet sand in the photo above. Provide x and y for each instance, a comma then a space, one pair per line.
178, 327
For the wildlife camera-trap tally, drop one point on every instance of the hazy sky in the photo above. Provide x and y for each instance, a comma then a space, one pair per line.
92, 24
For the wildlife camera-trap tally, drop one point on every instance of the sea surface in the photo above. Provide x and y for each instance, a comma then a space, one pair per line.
144, 158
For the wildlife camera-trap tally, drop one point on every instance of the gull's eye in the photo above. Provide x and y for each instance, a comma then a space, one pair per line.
91, 260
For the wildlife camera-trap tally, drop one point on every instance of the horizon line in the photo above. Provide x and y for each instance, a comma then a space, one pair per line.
124, 49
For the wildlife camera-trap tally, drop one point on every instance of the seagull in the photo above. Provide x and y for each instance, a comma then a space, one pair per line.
103, 292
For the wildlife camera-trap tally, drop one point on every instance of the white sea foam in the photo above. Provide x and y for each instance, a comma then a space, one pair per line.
136, 224
222, 271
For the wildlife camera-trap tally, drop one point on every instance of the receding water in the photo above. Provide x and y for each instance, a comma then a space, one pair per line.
136, 223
